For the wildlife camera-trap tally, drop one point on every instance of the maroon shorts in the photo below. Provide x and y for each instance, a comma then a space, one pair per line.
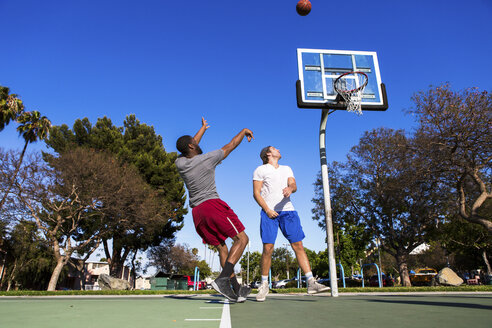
215, 221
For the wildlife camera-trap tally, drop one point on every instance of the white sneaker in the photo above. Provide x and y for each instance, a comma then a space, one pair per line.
262, 292
315, 287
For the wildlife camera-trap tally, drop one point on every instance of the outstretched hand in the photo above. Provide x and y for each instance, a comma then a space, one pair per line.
204, 123
249, 134
198, 136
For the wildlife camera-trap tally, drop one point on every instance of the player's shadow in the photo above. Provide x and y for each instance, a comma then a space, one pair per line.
432, 303
219, 299
199, 298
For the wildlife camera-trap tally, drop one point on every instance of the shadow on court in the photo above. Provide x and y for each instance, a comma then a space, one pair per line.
426, 303
200, 311
371, 311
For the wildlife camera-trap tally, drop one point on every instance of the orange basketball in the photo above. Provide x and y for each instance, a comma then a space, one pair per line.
303, 7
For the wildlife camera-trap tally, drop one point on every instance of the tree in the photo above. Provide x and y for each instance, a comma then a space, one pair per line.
176, 259
319, 262
81, 198
3, 249
135, 144
454, 127
352, 235
32, 127
470, 243
282, 262
254, 266
391, 192
10, 107
8, 163
30, 263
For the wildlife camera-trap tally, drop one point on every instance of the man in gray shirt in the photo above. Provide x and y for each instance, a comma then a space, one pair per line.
214, 220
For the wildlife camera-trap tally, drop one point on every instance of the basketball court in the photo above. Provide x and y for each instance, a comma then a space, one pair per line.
281, 310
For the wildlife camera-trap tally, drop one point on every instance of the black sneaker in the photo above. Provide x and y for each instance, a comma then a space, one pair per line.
244, 291
223, 286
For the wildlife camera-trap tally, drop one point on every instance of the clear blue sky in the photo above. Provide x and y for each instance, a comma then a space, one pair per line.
234, 62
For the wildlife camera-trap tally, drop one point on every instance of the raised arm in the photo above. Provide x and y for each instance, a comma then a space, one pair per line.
261, 201
198, 136
236, 141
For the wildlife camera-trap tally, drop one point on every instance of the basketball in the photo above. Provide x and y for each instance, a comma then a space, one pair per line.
303, 7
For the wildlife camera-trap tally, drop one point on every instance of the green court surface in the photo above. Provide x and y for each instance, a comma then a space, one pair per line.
300, 310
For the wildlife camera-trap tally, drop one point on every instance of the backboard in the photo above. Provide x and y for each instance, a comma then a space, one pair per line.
319, 68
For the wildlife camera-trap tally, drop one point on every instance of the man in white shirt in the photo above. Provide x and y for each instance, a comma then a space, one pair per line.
273, 185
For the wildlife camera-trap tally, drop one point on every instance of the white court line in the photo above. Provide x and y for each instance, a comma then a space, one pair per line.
225, 320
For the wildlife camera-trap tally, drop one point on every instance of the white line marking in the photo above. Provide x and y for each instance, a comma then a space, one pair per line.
202, 319
225, 320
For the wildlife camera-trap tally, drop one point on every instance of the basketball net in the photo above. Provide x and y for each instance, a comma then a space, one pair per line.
350, 87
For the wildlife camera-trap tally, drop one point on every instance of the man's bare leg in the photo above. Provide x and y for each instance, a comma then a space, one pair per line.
240, 241
223, 253
301, 256
266, 262
266, 259
313, 286
228, 258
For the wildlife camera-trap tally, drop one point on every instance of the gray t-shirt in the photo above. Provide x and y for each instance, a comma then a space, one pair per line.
198, 174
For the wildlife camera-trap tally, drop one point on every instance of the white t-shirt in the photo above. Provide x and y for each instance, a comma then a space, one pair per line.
274, 181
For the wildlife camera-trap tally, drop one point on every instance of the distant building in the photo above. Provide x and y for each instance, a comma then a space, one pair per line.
142, 283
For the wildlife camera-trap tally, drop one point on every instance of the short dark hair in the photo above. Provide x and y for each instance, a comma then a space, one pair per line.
182, 144
264, 154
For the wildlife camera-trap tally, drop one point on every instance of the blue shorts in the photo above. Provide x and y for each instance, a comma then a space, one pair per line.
289, 223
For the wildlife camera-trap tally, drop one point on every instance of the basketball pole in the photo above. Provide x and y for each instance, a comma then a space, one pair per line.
326, 193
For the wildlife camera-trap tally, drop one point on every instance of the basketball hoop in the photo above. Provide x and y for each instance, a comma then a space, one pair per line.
350, 86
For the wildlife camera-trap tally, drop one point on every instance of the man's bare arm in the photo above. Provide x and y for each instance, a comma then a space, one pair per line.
291, 187
198, 136
236, 141
257, 196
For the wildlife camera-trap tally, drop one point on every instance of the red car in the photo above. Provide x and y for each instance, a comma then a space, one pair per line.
387, 281
201, 284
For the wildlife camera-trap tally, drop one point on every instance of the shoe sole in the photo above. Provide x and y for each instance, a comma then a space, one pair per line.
318, 291
214, 285
261, 299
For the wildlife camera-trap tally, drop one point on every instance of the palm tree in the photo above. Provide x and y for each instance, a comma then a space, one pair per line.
32, 127
10, 107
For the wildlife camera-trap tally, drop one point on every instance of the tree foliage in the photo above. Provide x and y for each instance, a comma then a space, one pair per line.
82, 197
254, 266
10, 107
177, 259
29, 262
352, 236
390, 191
454, 127
137, 145
400, 187
32, 127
